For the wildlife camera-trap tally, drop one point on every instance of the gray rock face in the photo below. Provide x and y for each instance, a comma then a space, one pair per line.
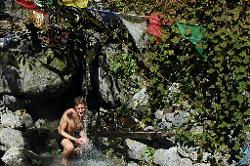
139, 100
137, 150
15, 101
20, 157
25, 117
132, 164
140, 103
11, 120
202, 164
181, 118
10, 138
172, 119
108, 89
31, 72
162, 157
188, 153
170, 157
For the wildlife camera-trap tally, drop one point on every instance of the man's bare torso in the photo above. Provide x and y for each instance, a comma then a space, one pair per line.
71, 121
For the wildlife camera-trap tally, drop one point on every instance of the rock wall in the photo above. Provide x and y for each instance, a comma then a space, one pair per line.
13, 142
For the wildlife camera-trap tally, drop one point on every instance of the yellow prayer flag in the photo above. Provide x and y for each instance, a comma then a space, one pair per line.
75, 3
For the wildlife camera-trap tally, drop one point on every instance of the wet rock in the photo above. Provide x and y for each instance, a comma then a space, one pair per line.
108, 89
20, 157
170, 157
39, 140
170, 116
11, 138
171, 119
165, 125
206, 157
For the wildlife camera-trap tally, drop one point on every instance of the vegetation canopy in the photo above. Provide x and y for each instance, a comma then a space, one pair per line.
216, 86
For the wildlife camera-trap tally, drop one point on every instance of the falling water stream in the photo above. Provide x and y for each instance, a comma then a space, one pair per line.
92, 156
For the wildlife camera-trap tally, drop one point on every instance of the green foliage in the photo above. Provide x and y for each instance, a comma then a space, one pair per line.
219, 86
150, 153
123, 66
141, 6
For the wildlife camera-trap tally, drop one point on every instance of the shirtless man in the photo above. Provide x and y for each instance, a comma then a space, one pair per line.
71, 122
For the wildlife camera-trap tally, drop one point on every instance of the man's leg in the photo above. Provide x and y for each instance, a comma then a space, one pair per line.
68, 149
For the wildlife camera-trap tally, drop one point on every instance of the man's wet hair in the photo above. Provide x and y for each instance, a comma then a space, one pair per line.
79, 100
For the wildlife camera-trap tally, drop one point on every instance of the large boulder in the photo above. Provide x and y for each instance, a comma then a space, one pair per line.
10, 119
162, 157
11, 138
108, 88
137, 150
170, 157
31, 72
20, 157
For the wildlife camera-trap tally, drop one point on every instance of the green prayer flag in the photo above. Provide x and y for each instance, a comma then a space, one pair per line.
193, 33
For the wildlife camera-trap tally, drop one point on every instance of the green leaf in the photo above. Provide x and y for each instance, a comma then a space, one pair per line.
246, 128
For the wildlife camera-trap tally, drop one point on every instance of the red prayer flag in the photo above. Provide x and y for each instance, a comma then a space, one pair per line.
28, 4
154, 27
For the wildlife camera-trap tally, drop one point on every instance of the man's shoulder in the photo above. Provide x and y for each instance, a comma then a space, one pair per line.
69, 113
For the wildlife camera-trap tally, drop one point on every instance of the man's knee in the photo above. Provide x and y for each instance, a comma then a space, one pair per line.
68, 145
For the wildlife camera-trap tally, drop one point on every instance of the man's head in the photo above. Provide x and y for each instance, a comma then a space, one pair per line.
80, 105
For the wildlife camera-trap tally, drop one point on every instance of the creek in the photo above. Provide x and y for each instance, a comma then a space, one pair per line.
94, 157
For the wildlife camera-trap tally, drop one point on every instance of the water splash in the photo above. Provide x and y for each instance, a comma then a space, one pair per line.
85, 148
96, 158
87, 157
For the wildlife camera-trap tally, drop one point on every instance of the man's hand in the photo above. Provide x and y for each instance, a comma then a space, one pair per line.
79, 141
85, 139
